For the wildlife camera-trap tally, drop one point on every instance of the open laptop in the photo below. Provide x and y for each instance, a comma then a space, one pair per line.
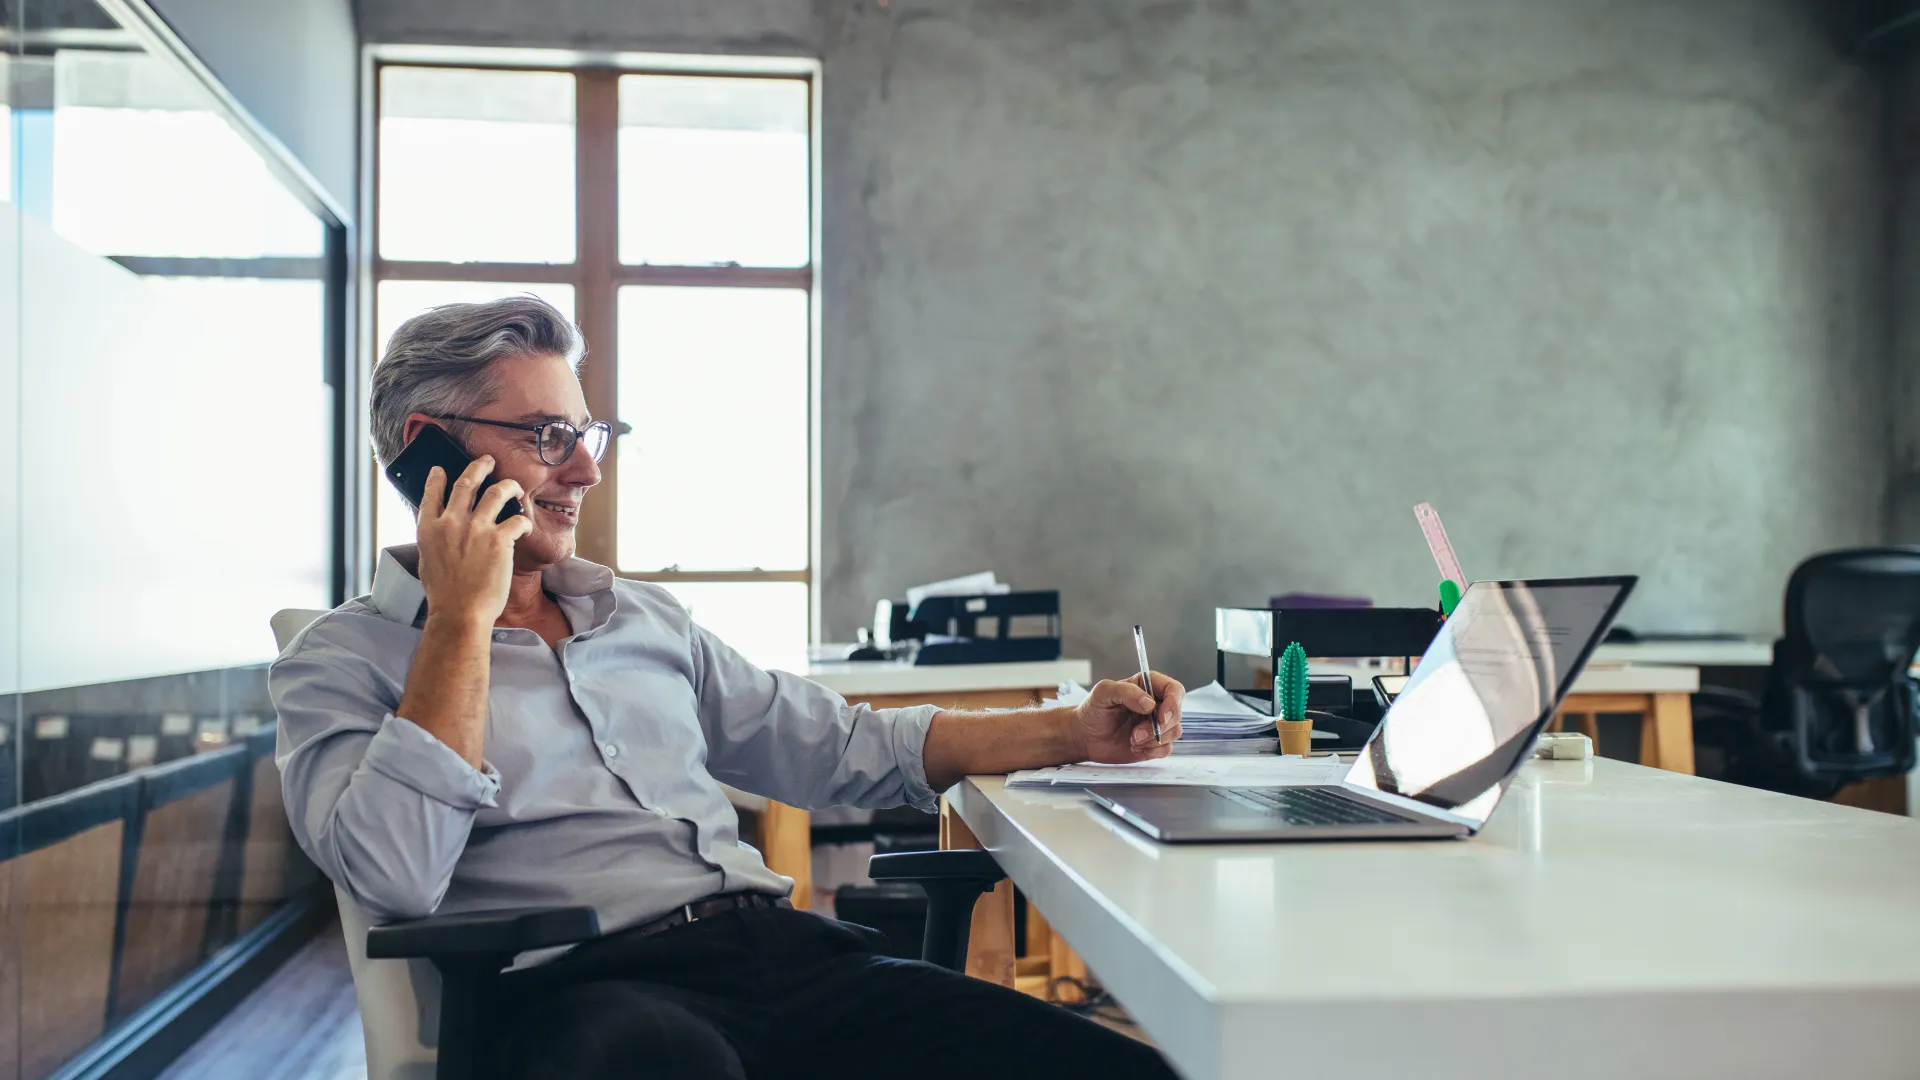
1445, 751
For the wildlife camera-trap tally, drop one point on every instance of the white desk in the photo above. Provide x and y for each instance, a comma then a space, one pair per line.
870, 679
1606, 679
1611, 921
1660, 695
1749, 652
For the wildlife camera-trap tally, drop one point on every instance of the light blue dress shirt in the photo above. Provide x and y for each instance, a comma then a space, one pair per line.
603, 762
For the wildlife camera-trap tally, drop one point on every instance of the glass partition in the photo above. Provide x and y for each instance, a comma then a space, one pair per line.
12, 895
166, 484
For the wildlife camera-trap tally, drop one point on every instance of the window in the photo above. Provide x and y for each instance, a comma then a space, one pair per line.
671, 213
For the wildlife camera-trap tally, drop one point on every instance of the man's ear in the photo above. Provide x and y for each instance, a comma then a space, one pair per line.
412, 427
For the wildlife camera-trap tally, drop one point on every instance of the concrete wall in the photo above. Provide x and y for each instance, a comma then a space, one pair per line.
763, 27
294, 65
1903, 158
1184, 303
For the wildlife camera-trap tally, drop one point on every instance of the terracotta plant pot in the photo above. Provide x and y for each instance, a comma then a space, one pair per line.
1296, 736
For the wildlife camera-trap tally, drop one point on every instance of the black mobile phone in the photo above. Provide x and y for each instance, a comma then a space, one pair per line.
433, 446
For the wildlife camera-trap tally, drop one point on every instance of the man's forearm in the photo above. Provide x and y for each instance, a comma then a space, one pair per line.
960, 743
446, 692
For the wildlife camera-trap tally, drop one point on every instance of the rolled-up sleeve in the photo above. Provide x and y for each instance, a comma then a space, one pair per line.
788, 738
381, 806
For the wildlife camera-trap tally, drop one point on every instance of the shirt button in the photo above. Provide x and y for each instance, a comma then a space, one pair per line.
610, 750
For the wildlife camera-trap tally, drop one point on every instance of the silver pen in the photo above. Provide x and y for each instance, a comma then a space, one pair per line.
1146, 680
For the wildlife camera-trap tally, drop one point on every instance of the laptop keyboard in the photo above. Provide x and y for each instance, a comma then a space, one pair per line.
1310, 806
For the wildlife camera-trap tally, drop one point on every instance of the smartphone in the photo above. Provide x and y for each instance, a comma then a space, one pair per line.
433, 446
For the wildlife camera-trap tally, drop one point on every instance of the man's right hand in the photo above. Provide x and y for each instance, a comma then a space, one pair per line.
466, 557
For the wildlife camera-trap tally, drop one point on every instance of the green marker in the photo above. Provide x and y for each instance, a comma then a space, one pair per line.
1449, 596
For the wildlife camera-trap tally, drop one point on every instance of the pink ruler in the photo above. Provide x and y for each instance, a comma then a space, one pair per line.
1436, 535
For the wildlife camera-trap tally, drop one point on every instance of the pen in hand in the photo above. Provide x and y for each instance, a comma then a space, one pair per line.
1146, 680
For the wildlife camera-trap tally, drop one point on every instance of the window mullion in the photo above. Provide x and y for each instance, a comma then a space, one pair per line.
420, 270
597, 116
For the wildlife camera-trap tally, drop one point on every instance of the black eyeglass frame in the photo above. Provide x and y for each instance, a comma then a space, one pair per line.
540, 434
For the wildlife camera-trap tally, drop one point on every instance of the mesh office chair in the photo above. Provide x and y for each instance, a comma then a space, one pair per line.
1839, 702
423, 984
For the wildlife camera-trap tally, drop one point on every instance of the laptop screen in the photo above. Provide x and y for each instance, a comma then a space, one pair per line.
1470, 713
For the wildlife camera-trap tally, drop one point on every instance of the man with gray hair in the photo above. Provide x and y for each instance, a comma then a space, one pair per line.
501, 724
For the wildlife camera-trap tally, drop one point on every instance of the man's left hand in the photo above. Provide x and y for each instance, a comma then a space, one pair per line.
1116, 720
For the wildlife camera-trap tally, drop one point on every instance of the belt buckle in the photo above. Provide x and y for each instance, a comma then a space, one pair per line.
687, 910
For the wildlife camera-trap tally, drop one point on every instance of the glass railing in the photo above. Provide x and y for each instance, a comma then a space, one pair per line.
166, 452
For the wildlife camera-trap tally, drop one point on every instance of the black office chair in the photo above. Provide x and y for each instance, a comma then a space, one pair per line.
470, 951
1839, 702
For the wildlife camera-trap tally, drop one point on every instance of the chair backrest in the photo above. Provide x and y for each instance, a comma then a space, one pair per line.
1840, 678
399, 999
399, 1003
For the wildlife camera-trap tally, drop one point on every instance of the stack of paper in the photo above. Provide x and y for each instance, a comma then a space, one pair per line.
1209, 712
1212, 721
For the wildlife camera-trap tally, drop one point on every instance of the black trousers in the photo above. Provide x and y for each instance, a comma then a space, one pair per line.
773, 992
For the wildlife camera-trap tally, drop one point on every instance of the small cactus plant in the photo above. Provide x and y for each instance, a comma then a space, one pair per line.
1290, 684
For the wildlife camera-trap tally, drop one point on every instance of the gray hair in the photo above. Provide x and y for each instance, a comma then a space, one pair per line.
441, 361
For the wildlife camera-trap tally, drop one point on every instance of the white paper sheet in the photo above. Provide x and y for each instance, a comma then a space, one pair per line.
981, 584
1205, 770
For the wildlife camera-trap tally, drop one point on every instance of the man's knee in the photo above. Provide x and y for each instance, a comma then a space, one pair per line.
618, 1030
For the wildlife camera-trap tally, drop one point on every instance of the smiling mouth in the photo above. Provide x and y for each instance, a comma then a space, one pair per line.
570, 511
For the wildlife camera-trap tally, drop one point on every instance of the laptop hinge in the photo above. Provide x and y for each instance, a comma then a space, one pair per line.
1411, 806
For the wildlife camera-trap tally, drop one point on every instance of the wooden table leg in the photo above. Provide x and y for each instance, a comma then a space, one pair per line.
1066, 964
990, 951
1048, 958
1590, 727
1034, 969
786, 842
1666, 734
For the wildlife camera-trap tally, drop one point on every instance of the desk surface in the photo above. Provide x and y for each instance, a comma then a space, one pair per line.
1748, 652
1612, 919
893, 677
1630, 679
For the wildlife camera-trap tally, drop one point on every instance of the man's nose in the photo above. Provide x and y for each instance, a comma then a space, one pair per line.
580, 469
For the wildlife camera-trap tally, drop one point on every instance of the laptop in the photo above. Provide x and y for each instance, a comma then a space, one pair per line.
1443, 755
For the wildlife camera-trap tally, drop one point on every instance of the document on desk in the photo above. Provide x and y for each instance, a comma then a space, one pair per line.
1206, 771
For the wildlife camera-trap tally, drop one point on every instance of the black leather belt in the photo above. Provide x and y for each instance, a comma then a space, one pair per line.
707, 909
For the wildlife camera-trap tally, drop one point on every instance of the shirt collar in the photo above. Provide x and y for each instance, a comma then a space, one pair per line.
399, 596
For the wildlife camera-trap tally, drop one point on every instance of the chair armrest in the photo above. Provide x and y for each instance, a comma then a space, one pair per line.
483, 933
928, 866
953, 881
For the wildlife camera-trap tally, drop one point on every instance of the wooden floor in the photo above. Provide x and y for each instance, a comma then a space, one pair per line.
301, 1024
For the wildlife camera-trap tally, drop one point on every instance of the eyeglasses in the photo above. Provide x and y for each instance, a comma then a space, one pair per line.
556, 438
